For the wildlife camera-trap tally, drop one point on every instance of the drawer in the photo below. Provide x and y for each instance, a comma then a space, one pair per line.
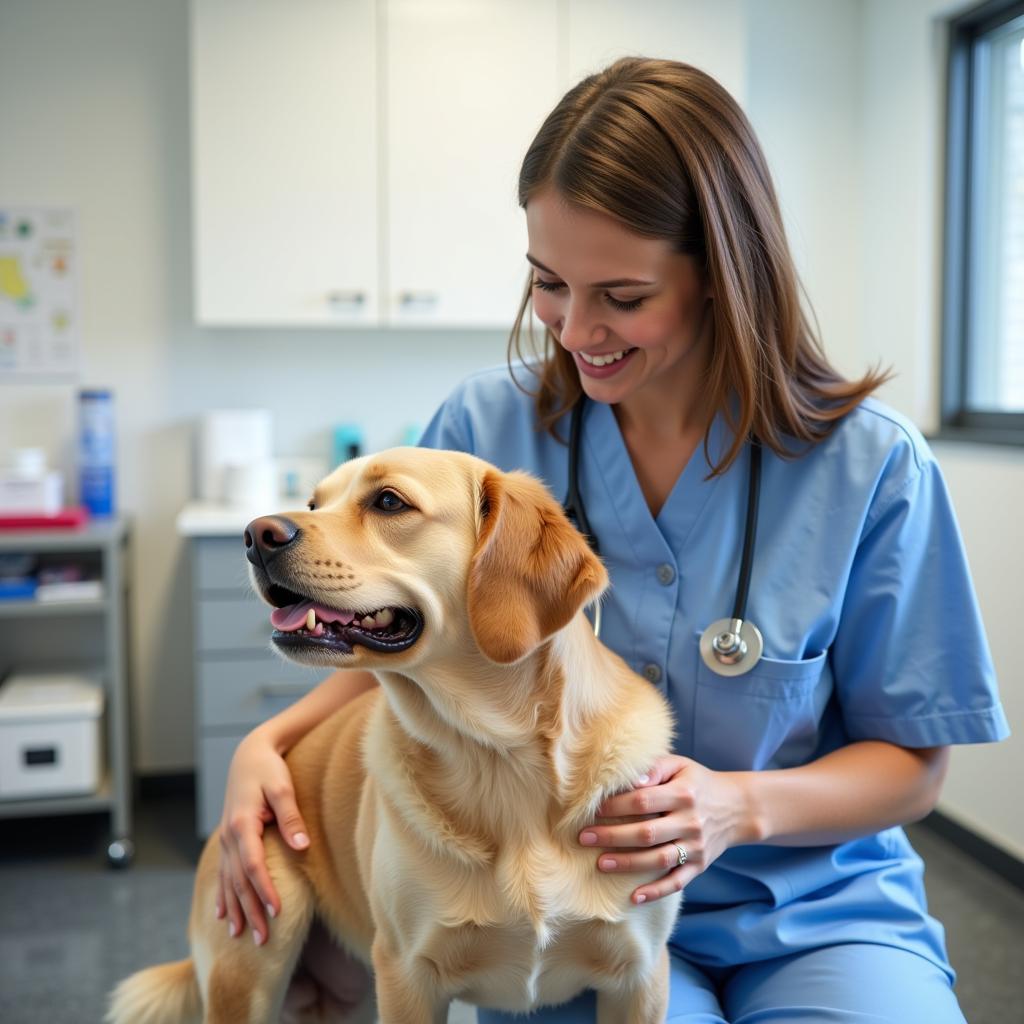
232, 624
247, 691
219, 563
214, 758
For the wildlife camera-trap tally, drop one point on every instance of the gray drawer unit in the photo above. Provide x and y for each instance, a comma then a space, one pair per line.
246, 691
228, 623
239, 680
215, 756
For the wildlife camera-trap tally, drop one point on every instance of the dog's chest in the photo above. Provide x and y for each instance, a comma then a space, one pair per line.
538, 926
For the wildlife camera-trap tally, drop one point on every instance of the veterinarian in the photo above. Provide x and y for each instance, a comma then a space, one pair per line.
662, 273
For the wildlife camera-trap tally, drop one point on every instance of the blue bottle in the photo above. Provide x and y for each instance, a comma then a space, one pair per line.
96, 451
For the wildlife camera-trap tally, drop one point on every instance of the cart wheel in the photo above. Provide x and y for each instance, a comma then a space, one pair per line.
120, 853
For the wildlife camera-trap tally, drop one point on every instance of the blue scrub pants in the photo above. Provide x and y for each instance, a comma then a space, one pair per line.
847, 984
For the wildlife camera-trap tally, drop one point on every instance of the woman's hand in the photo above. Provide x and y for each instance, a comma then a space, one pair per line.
259, 790
682, 802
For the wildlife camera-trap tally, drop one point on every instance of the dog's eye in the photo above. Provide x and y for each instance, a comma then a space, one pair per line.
388, 501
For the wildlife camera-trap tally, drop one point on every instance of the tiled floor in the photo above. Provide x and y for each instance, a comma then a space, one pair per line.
70, 927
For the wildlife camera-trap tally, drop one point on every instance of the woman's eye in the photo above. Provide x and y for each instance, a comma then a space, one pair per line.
388, 501
546, 286
624, 306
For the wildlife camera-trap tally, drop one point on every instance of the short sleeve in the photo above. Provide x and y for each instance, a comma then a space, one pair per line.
910, 658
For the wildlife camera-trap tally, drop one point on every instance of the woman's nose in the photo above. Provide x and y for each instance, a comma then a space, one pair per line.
579, 330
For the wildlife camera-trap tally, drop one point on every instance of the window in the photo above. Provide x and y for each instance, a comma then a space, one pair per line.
983, 315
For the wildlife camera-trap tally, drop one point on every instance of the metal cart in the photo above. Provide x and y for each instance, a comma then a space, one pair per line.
93, 636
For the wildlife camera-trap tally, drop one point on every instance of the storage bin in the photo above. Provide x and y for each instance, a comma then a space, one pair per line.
49, 735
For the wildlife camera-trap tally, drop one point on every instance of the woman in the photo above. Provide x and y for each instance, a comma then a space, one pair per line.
662, 274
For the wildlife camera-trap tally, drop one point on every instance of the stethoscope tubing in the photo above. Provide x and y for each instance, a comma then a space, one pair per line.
730, 646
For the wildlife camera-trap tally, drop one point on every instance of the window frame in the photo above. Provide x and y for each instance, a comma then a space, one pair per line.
958, 420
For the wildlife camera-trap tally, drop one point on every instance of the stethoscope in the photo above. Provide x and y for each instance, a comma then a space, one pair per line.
729, 647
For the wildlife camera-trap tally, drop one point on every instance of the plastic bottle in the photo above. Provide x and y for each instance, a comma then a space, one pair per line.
96, 451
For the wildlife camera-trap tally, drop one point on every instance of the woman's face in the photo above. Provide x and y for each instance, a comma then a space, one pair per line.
628, 309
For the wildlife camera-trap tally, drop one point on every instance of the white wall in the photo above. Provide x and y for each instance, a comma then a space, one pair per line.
845, 97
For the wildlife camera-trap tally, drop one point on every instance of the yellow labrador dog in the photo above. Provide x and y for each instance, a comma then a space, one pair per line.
444, 805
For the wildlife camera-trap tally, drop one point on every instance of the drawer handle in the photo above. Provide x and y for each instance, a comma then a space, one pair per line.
352, 297
411, 298
279, 690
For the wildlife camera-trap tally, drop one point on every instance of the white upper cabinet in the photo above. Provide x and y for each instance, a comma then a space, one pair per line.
285, 169
355, 161
468, 84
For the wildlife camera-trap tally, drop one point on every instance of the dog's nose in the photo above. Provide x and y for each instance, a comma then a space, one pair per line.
266, 536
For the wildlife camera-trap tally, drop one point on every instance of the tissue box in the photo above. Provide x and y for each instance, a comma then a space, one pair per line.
49, 735
40, 494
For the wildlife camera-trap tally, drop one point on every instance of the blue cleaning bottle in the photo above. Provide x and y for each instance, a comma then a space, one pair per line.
97, 451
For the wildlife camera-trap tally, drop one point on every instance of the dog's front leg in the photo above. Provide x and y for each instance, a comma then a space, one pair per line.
644, 1003
405, 996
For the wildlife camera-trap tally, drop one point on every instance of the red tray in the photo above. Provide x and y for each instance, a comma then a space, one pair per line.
67, 517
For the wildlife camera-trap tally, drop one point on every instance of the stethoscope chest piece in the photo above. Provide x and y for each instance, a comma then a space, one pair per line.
731, 647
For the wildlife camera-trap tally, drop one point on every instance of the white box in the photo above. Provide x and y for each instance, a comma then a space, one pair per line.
41, 495
49, 735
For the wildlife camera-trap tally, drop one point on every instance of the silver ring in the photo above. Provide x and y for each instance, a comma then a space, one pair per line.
682, 853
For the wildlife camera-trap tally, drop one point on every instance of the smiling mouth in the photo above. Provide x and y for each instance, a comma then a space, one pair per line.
302, 623
608, 358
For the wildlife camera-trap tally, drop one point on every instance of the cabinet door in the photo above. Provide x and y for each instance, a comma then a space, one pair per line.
284, 149
468, 83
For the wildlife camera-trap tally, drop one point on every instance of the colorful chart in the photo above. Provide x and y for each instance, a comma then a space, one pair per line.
38, 312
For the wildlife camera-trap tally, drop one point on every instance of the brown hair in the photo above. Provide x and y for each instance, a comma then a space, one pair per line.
664, 149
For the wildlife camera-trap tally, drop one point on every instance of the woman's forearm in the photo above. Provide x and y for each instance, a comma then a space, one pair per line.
287, 727
854, 791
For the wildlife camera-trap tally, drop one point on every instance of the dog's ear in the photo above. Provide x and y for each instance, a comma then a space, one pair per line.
531, 571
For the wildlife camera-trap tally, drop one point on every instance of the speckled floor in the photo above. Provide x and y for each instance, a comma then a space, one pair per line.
70, 927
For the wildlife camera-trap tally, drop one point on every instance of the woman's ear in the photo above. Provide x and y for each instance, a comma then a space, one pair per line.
531, 571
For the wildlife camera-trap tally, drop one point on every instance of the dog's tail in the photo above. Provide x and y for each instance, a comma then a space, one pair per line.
165, 994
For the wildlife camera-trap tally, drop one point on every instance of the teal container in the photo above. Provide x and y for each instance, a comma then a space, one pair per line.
347, 443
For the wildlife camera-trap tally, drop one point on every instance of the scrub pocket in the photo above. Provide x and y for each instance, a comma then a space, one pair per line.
768, 718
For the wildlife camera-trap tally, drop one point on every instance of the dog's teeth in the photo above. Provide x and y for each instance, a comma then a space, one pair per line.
311, 620
384, 618
367, 622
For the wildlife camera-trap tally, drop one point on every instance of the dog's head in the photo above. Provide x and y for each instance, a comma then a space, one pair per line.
413, 550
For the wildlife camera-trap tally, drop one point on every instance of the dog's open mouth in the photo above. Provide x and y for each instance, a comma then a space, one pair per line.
299, 621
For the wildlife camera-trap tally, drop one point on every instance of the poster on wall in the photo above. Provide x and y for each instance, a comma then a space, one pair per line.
38, 312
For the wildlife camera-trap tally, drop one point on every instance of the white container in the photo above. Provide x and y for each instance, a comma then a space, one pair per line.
49, 736
231, 438
20, 493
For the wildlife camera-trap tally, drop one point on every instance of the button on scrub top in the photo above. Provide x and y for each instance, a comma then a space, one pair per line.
861, 590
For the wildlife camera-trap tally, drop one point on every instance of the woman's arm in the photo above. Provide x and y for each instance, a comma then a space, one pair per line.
854, 791
287, 727
259, 790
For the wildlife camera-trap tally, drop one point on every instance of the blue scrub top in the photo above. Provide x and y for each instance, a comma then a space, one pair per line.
861, 590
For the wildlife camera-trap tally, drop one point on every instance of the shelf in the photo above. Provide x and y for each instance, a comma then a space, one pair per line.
42, 609
38, 807
95, 534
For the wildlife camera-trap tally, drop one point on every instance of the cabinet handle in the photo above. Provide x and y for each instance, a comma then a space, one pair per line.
351, 297
411, 298
285, 690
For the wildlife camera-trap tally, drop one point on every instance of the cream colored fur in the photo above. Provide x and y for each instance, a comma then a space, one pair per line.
444, 806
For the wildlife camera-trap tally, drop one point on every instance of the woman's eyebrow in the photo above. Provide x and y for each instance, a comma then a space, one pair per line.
620, 282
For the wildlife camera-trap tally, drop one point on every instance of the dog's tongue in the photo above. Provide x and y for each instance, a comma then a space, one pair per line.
293, 616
